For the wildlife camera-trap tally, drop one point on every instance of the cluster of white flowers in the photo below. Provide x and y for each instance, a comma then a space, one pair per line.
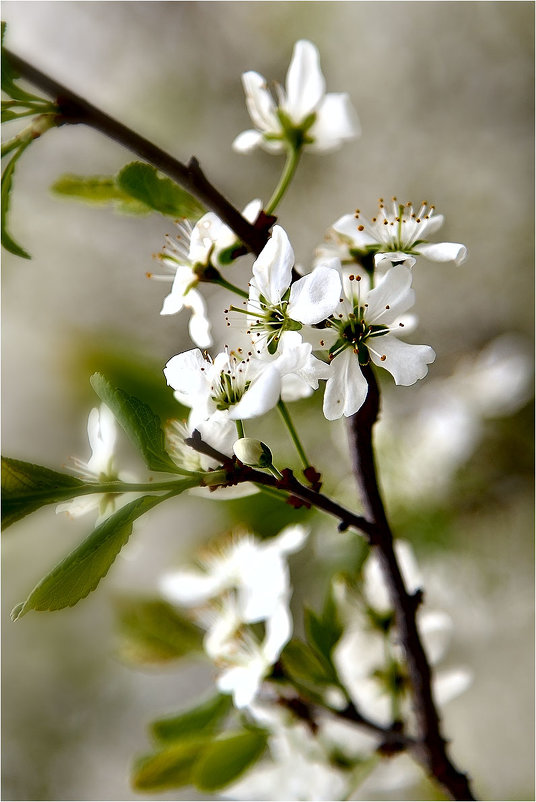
240, 582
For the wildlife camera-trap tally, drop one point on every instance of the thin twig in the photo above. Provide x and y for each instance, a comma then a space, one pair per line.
74, 109
430, 749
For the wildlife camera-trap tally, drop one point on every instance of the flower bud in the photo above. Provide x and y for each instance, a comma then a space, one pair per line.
253, 452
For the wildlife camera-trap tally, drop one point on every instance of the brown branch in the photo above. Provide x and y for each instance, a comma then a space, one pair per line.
73, 109
430, 748
238, 473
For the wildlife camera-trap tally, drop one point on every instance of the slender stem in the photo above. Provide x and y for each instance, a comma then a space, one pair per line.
273, 470
430, 749
73, 109
293, 157
240, 428
221, 282
285, 414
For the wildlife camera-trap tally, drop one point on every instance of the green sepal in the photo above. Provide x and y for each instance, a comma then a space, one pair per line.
151, 631
228, 757
141, 424
7, 182
98, 190
82, 570
142, 182
202, 719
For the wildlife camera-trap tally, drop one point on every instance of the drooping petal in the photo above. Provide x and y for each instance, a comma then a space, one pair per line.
261, 396
260, 103
347, 388
199, 325
336, 122
391, 298
314, 297
407, 363
305, 83
278, 631
272, 270
248, 141
386, 259
174, 302
443, 252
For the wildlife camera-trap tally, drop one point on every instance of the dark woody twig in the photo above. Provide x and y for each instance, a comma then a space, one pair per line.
430, 749
73, 109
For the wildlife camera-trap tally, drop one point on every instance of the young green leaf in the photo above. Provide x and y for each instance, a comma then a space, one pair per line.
7, 182
322, 633
151, 631
9, 75
27, 487
170, 768
303, 665
82, 570
226, 758
98, 190
140, 423
202, 719
141, 181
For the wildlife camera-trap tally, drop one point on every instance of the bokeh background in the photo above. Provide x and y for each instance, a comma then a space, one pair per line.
444, 92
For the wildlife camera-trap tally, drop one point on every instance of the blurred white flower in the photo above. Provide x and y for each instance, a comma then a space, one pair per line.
102, 433
302, 114
368, 657
243, 581
392, 236
365, 324
256, 570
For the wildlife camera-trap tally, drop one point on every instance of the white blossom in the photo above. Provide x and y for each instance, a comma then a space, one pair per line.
395, 235
276, 304
186, 256
256, 570
368, 656
366, 325
100, 467
304, 111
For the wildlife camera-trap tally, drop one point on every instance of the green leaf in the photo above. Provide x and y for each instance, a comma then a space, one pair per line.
170, 768
322, 633
202, 719
226, 758
141, 424
99, 190
9, 75
27, 487
7, 182
151, 631
82, 570
305, 667
141, 181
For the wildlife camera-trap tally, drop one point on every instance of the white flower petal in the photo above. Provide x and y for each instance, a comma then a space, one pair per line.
259, 102
443, 252
189, 587
314, 297
430, 225
450, 683
272, 270
261, 396
278, 632
305, 83
185, 373
248, 141
435, 627
347, 388
392, 297
336, 122
387, 259
407, 363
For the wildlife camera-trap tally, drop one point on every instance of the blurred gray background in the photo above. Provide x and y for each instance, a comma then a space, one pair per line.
444, 92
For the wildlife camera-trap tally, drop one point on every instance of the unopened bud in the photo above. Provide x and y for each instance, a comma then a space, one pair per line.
253, 452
